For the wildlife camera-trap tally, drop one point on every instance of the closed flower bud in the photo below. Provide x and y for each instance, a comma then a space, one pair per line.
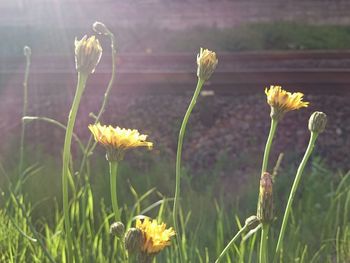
88, 52
317, 122
27, 51
117, 229
100, 28
206, 62
265, 205
134, 240
252, 222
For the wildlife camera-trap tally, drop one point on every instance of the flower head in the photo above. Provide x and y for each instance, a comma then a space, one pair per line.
117, 229
155, 236
206, 62
282, 101
88, 52
117, 140
317, 122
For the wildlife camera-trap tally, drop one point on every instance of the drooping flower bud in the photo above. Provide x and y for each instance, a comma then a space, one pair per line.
100, 28
27, 51
134, 240
317, 122
252, 222
206, 62
88, 52
265, 205
117, 229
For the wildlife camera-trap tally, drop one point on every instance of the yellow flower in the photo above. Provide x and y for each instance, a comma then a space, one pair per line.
282, 101
88, 52
116, 140
206, 62
156, 236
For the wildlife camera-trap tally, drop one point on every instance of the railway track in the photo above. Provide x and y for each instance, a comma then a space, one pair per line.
319, 71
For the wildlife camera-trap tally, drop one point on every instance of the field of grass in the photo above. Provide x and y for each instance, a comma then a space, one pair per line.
62, 212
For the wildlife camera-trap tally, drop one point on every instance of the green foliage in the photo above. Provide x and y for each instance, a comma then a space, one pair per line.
318, 232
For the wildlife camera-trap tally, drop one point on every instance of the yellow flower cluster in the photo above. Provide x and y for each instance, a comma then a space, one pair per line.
119, 138
156, 236
282, 101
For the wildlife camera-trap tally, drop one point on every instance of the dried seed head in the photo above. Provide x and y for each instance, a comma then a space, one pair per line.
317, 122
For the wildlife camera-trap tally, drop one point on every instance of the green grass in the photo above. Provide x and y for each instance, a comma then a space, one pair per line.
318, 232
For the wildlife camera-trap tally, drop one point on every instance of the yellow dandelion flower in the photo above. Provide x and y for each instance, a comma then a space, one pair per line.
156, 236
117, 140
282, 101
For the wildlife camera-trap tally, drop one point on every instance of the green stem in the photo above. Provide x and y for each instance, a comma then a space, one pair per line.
265, 227
178, 164
88, 147
226, 249
82, 78
113, 171
24, 113
263, 243
300, 171
268, 145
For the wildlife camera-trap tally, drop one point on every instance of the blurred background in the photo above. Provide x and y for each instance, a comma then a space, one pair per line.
302, 45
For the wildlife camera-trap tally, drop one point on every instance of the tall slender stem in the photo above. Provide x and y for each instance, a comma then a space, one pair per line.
24, 112
300, 171
268, 145
82, 78
223, 253
263, 243
88, 147
178, 164
113, 171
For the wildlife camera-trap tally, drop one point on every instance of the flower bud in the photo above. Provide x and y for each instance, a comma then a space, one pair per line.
206, 62
265, 205
252, 222
133, 240
100, 28
88, 52
117, 229
317, 122
27, 51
